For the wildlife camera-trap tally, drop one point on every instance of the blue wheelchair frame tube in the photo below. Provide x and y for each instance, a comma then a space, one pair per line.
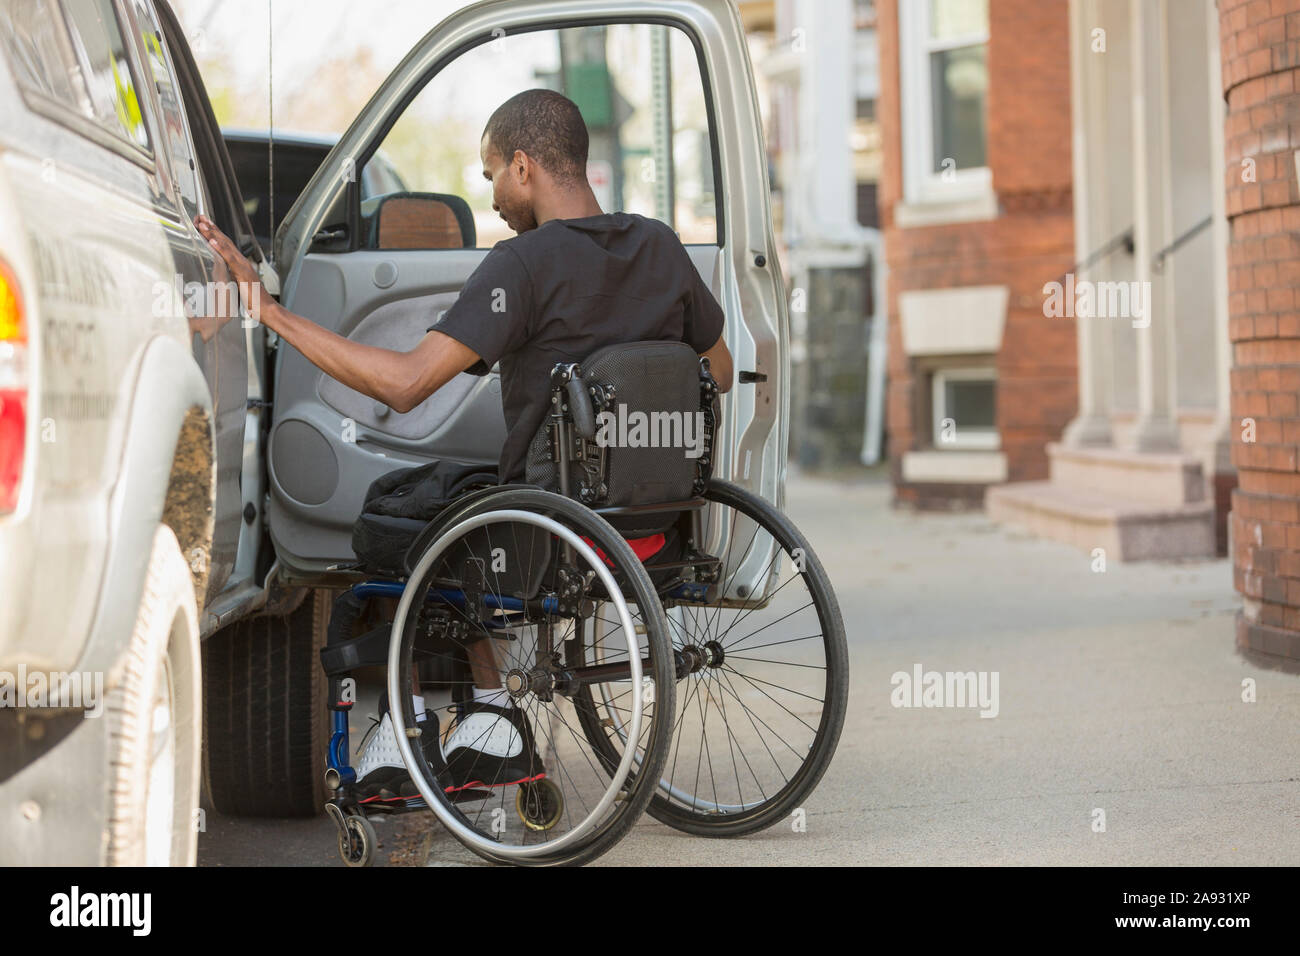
337, 758
338, 748
456, 598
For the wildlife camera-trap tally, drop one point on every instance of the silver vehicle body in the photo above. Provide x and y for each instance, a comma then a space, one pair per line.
136, 414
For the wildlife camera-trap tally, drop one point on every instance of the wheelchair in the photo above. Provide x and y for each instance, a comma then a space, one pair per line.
671, 637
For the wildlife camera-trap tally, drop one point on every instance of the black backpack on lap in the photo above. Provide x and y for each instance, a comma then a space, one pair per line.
400, 503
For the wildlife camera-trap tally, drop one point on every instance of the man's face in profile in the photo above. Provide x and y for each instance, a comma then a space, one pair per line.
510, 197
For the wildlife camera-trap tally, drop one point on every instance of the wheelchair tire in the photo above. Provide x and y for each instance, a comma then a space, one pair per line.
748, 771
358, 841
606, 786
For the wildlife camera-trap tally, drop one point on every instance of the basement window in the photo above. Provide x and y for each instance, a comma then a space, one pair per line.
963, 402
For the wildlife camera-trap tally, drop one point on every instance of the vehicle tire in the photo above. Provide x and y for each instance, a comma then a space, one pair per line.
155, 720
265, 715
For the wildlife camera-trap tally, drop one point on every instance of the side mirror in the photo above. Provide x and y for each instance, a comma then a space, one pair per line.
422, 221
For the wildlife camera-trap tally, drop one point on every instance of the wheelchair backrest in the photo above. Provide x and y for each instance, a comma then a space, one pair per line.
653, 407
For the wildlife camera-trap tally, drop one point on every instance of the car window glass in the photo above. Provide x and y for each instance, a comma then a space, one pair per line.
98, 40
640, 91
294, 165
37, 48
175, 131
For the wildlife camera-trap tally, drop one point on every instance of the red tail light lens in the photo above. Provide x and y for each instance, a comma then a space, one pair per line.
13, 390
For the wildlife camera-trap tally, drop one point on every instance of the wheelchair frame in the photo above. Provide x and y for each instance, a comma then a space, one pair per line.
693, 581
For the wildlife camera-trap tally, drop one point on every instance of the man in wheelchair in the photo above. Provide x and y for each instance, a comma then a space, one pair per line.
573, 280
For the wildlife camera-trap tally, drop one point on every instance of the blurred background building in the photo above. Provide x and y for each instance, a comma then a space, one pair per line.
817, 66
975, 202
1144, 469
1141, 146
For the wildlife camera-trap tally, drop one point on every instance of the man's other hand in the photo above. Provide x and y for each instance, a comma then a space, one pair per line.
720, 366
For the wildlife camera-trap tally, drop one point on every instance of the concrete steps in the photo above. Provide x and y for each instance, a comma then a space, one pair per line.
1137, 506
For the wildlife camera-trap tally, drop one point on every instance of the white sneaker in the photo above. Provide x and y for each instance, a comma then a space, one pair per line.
491, 746
380, 767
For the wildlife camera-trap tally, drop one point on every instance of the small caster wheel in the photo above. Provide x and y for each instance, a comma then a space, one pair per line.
358, 841
539, 804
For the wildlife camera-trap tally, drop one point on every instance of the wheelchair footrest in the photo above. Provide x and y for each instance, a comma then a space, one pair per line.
368, 649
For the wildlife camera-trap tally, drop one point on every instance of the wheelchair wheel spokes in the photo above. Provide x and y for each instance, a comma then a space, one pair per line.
604, 706
571, 801
762, 698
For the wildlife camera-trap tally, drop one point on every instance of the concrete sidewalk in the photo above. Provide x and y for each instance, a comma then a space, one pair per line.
1119, 691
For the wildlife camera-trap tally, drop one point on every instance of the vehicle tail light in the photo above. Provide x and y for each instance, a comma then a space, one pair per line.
13, 390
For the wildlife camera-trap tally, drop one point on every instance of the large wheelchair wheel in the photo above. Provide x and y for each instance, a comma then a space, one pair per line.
759, 714
526, 568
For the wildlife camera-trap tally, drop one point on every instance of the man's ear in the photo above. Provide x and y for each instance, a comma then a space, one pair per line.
521, 166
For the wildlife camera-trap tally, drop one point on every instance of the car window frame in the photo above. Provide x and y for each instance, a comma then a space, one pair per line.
352, 195
134, 67
210, 153
79, 122
158, 118
69, 56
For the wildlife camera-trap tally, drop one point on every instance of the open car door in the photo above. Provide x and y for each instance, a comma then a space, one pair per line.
667, 93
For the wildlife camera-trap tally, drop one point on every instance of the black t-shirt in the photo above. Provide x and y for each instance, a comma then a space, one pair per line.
560, 292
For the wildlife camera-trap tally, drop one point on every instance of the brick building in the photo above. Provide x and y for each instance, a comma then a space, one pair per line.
1259, 43
1186, 182
816, 63
1144, 470
975, 204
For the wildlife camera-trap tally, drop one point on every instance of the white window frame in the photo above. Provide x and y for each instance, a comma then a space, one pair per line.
963, 438
971, 192
133, 66
154, 25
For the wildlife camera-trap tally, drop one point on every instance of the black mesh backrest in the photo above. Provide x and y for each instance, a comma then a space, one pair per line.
652, 430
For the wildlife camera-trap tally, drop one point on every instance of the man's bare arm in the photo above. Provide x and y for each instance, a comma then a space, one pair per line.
719, 357
438, 359
401, 380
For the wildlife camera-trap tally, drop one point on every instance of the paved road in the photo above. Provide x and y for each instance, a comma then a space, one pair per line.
1118, 691
233, 841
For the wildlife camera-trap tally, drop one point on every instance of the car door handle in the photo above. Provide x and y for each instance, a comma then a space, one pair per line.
749, 378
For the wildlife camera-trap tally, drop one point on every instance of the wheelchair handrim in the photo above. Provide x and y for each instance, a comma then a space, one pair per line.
436, 800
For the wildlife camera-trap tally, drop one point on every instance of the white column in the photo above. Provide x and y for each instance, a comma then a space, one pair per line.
1223, 428
1092, 425
1157, 429
826, 111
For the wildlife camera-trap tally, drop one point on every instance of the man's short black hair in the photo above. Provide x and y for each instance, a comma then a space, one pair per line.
548, 127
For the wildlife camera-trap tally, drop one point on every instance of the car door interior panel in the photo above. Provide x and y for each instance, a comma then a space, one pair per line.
329, 441
395, 325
